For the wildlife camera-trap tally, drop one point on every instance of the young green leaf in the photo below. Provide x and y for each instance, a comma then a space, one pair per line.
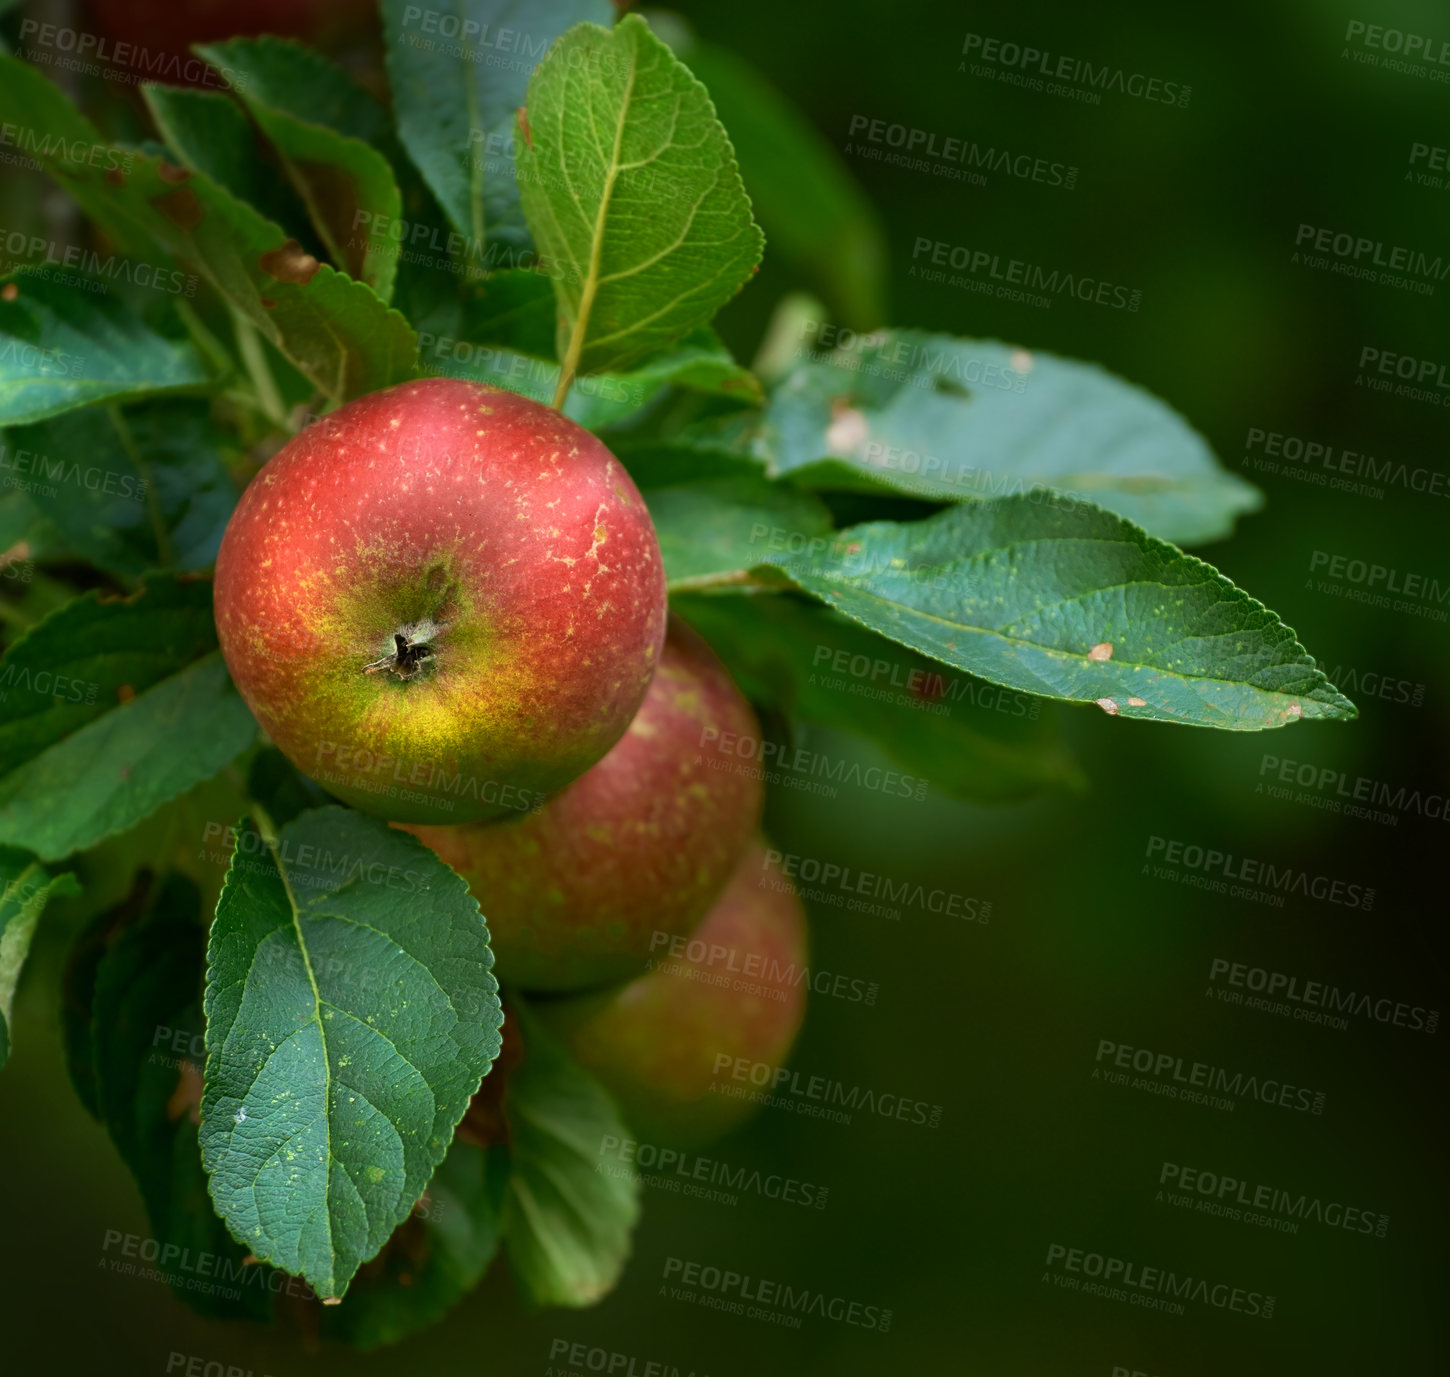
146, 1045
1072, 602
459, 69
970, 738
64, 346
951, 420
130, 491
566, 1225
719, 527
25, 886
306, 107
351, 1012
813, 211
113, 708
632, 193
334, 329
436, 1257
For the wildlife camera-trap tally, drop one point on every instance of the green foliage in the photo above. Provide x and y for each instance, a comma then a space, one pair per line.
351, 1011
631, 190
25, 886
65, 345
567, 1225
579, 221
1072, 602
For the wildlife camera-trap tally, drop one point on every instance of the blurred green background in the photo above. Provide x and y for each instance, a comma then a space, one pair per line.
950, 1228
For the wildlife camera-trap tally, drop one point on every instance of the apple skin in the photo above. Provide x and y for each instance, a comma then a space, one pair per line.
632, 852
475, 521
654, 1042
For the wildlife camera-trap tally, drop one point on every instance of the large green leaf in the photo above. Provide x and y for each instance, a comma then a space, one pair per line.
351, 1013
435, 1258
306, 106
1069, 601
335, 330
63, 346
146, 1049
567, 1226
112, 708
459, 69
723, 525
130, 491
972, 739
813, 211
951, 420
632, 193
25, 886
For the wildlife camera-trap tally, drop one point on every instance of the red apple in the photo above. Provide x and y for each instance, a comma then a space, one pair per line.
634, 851
666, 1044
442, 602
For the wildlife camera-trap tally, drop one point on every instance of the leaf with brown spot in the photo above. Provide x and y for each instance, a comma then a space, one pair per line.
290, 263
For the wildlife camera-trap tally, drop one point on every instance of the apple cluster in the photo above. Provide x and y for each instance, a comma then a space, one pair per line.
446, 603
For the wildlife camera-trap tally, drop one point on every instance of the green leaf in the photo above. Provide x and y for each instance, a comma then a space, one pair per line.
435, 1258
952, 420
722, 526
813, 211
25, 886
302, 103
970, 738
566, 1226
351, 1013
130, 491
459, 69
64, 346
210, 133
700, 362
631, 190
334, 329
146, 1052
1072, 602
113, 708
